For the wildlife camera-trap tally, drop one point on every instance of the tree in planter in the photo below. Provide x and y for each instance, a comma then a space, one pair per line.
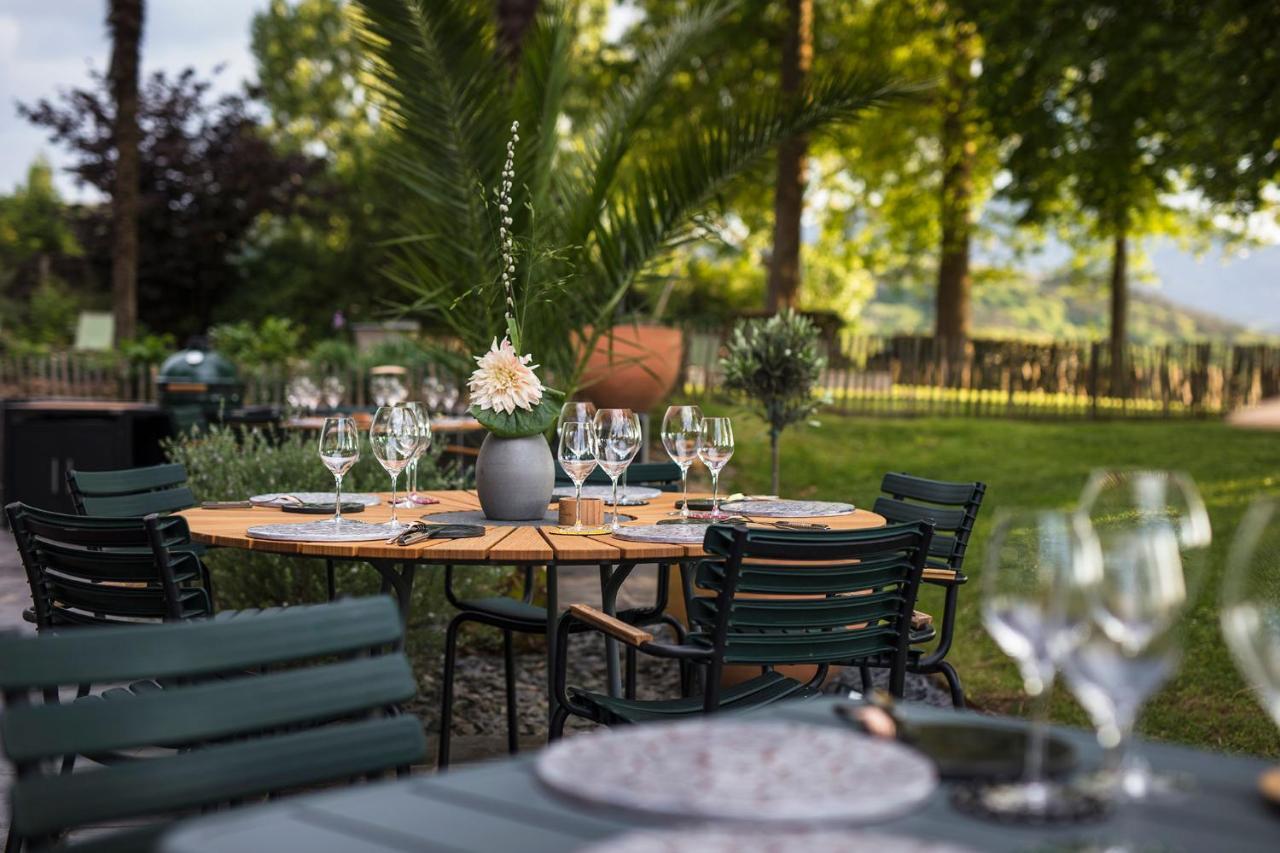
776, 364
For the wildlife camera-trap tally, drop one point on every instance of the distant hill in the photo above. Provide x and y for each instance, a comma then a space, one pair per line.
1025, 308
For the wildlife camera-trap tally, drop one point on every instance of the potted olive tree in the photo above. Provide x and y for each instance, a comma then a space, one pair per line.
775, 363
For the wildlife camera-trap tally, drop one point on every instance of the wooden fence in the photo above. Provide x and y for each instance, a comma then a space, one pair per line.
904, 375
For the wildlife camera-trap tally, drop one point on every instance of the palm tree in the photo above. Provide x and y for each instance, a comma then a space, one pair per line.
594, 207
788, 199
124, 20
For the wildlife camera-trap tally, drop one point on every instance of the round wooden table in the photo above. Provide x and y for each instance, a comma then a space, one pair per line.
518, 545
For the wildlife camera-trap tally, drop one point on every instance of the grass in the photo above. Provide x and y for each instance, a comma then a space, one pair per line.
1041, 464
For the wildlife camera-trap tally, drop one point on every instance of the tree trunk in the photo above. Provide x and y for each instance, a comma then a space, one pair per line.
124, 20
514, 18
958, 150
1119, 315
775, 457
788, 199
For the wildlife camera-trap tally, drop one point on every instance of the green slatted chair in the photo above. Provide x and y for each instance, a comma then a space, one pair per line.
90, 570
834, 597
234, 738
522, 616
952, 509
131, 491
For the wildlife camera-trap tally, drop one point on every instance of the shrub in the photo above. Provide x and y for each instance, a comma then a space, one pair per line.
224, 464
776, 365
273, 341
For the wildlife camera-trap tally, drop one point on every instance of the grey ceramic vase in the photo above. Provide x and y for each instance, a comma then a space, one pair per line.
514, 477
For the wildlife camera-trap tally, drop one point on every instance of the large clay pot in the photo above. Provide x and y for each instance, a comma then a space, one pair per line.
514, 477
635, 368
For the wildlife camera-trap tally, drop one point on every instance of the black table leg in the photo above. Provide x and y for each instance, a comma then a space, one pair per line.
398, 582
553, 613
611, 580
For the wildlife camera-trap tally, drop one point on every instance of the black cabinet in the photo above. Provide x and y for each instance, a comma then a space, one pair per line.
41, 439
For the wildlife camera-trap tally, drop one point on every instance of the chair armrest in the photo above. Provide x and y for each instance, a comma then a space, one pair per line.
610, 625
920, 620
942, 577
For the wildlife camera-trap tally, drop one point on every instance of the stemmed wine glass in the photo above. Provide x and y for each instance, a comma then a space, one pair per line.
396, 437
339, 450
618, 434
577, 454
411, 498
1155, 535
1036, 563
715, 449
1251, 602
681, 436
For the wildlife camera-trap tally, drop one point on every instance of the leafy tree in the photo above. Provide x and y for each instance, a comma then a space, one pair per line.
124, 20
207, 173
593, 211
776, 365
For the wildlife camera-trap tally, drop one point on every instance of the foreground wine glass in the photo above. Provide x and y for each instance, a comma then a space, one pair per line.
412, 498
618, 437
681, 435
339, 450
715, 450
1251, 602
1035, 559
396, 436
577, 453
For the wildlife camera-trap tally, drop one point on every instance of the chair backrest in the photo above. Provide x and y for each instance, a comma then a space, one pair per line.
799, 597
91, 570
661, 475
950, 507
130, 491
238, 735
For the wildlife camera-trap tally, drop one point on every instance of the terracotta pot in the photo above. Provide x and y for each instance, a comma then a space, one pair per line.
634, 369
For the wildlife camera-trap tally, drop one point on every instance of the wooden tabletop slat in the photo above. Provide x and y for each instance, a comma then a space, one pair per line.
500, 545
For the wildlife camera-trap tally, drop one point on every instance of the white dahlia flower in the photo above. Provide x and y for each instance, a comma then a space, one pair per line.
504, 380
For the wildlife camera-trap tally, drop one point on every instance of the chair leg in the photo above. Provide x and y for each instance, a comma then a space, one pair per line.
865, 672
630, 687
953, 682
558, 718
330, 580
509, 662
446, 690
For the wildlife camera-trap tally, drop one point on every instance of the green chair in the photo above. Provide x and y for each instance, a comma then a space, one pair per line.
522, 616
834, 597
231, 738
952, 509
130, 491
90, 570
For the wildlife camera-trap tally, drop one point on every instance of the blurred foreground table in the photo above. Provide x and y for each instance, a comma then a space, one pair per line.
501, 805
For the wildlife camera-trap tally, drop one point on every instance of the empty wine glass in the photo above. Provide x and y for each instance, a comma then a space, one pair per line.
577, 454
396, 436
576, 410
339, 450
334, 391
1251, 602
681, 435
618, 438
715, 450
411, 498
1034, 560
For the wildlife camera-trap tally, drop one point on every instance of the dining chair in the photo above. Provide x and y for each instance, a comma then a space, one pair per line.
321, 707
952, 508
834, 597
134, 492
94, 570
521, 616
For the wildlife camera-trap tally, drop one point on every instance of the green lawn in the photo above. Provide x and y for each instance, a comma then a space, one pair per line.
1045, 464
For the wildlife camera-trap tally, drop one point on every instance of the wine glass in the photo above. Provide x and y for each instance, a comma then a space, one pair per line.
1035, 560
577, 454
334, 391
681, 435
715, 450
411, 498
1251, 602
396, 436
576, 410
618, 437
339, 450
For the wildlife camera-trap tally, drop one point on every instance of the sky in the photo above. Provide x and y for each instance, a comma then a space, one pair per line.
48, 45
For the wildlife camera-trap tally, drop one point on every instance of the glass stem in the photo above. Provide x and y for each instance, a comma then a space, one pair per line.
337, 498
1033, 770
577, 505
412, 486
715, 494
614, 526
394, 478
684, 487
